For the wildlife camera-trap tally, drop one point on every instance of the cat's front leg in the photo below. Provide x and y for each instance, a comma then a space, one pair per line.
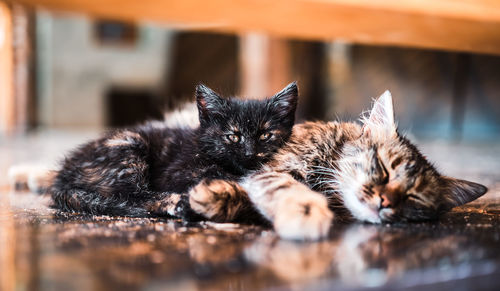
223, 201
172, 205
295, 211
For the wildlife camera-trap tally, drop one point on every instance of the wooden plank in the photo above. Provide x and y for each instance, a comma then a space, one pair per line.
22, 39
265, 65
461, 25
7, 101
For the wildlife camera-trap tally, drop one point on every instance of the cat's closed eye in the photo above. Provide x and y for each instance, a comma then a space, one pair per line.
383, 174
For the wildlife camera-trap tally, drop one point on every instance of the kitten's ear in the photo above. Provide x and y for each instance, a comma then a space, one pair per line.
459, 192
208, 102
381, 119
284, 102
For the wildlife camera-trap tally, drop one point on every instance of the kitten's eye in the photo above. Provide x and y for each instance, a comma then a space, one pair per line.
383, 174
385, 177
233, 138
265, 136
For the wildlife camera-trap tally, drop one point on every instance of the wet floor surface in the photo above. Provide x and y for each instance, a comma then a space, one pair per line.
42, 249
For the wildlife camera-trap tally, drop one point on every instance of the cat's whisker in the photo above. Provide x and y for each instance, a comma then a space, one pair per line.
321, 176
324, 168
324, 172
327, 180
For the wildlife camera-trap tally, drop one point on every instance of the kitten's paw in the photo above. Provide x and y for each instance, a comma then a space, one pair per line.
303, 216
18, 177
217, 200
171, 205
36, 178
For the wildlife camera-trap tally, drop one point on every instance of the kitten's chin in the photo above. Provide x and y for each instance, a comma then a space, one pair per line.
386, 214
251, 165
372, 218
359, 210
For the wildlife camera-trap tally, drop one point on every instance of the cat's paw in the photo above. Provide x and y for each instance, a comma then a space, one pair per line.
217, 200
303, 216
36, 178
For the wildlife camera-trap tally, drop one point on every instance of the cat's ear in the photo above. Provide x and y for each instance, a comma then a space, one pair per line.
381, 118
208, 102
284, 102
458, 192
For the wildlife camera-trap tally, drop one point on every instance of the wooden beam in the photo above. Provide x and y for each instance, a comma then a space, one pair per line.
23, 39
7, 101
460, 25
265, 65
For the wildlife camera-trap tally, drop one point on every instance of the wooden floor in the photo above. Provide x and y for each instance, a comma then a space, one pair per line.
41, 249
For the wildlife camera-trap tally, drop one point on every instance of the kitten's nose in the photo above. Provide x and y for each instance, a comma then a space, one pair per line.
390, 194
249, 151
384, 201
389, 199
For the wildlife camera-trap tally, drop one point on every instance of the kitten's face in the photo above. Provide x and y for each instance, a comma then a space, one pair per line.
244, 134
384, 178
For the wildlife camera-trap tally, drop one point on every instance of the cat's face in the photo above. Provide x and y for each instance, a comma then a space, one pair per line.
384, 178
243, 134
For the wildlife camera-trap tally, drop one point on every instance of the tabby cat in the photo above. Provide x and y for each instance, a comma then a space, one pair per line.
135, 171
368, 172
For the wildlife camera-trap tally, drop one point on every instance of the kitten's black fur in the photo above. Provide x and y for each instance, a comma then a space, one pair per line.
131, 171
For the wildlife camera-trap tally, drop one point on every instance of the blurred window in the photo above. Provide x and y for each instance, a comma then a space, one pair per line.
112, 32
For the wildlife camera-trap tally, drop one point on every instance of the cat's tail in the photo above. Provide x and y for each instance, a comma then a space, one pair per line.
35, 178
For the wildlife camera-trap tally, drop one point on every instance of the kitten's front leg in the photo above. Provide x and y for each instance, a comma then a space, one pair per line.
223, 201
172, 204
296, 211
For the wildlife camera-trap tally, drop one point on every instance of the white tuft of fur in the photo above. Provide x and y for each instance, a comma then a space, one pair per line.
352, 175
384, 109
358, 209
186, 116
380, 122
32, 176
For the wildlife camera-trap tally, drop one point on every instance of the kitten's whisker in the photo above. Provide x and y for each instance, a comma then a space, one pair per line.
327, 180
323, 168
323, 172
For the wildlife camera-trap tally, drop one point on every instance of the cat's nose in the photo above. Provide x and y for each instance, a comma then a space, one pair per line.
249, 151
390, 194
384, 201
388, 199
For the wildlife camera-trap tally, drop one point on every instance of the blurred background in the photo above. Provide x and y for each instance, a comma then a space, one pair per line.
81, 65
70, 69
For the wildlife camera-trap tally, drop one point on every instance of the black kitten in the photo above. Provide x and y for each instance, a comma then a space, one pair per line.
136, 171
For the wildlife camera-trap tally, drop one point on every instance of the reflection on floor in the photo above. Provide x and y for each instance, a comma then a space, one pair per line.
43, 249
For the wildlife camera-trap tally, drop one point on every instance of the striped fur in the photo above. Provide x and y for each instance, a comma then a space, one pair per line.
367, 172
149, 169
